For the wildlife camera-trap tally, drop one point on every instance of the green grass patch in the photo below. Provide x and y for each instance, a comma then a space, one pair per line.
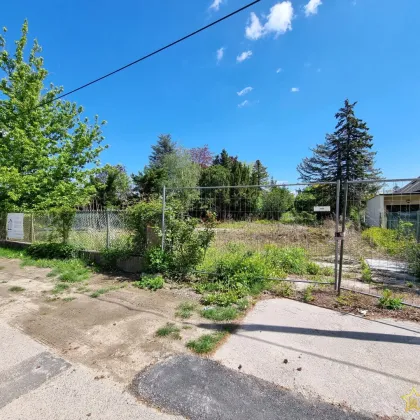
68, 299
220, 313
11, 253
170, 330
206, 343
151, 282
281, 289
60, 287
307, 294
16, 289
185, 310
393, 242
102, 291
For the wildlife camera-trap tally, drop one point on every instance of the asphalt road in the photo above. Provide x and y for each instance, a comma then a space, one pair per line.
203, 389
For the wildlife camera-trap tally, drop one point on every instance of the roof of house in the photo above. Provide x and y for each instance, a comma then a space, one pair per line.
412, 187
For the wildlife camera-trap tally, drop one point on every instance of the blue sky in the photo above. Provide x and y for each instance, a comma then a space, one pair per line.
366, 50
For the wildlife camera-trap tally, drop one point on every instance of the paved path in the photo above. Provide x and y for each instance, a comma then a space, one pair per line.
36, 385
202, 389
343, 359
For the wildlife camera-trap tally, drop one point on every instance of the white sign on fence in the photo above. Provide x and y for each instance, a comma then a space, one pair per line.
15, 226
322, 208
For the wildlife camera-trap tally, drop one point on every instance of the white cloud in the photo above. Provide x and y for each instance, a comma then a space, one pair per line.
216, 5
243, 56
312, 7
244, 103
245, 91
255, 29
278, 22
220, 53
294, 90
279, 70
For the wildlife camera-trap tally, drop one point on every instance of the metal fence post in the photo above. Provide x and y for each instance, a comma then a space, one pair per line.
418, 226
163, 217
32, 237
343, 230
107, 229
337, 225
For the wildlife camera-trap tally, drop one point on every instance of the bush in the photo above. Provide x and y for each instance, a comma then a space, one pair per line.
110, 256
389, 301
307, 294
185, 245
222, 299
366, 271
414, 260
393, 242
281, 289
298, 217
150, 282
52, 251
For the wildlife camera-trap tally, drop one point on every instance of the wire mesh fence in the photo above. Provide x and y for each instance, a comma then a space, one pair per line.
91, 230
381, 248
299, 218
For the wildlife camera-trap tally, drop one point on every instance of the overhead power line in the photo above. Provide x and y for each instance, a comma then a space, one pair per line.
151, 54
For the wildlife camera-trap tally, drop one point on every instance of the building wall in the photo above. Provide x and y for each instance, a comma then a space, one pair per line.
375, 207
396, 200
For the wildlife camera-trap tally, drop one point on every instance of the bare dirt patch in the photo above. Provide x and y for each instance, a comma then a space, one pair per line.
114, 333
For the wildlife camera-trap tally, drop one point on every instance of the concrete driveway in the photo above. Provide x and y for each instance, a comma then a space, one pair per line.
342, 359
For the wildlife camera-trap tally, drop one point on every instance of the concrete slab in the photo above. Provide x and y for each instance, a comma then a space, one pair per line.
366, 365
202, 389
29, 375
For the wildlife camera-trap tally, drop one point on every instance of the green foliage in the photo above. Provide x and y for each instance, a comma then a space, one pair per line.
345, 155
185, 310
151, 282
48, 152
220, 313
69, 298
110, 256
16, 289
414, 259
68, 271
169, 330
52, 250
11, 253
112, 186
366, 271
221, 298
206, 343
281, 289
102, 291
157, 260
307, 294
387, 240
298, 218
276, 202
389, 301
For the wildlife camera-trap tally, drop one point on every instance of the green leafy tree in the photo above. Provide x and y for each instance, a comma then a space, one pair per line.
112, 186
276, 202
48, 151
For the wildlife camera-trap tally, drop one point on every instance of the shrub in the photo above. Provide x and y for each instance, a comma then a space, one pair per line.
220, 313
185, 245
414, 259
307, 294
110, 256
150, 282
206, 343
313, 268
366, 271
389, 301
282, 289
222, 298
51, 250
390, 241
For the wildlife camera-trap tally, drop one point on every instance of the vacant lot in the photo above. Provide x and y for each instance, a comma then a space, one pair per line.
115, 333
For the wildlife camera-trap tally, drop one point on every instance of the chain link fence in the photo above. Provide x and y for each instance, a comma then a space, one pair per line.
91, 230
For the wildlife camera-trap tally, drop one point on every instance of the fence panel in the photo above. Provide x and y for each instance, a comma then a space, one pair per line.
381, 249
298, 218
